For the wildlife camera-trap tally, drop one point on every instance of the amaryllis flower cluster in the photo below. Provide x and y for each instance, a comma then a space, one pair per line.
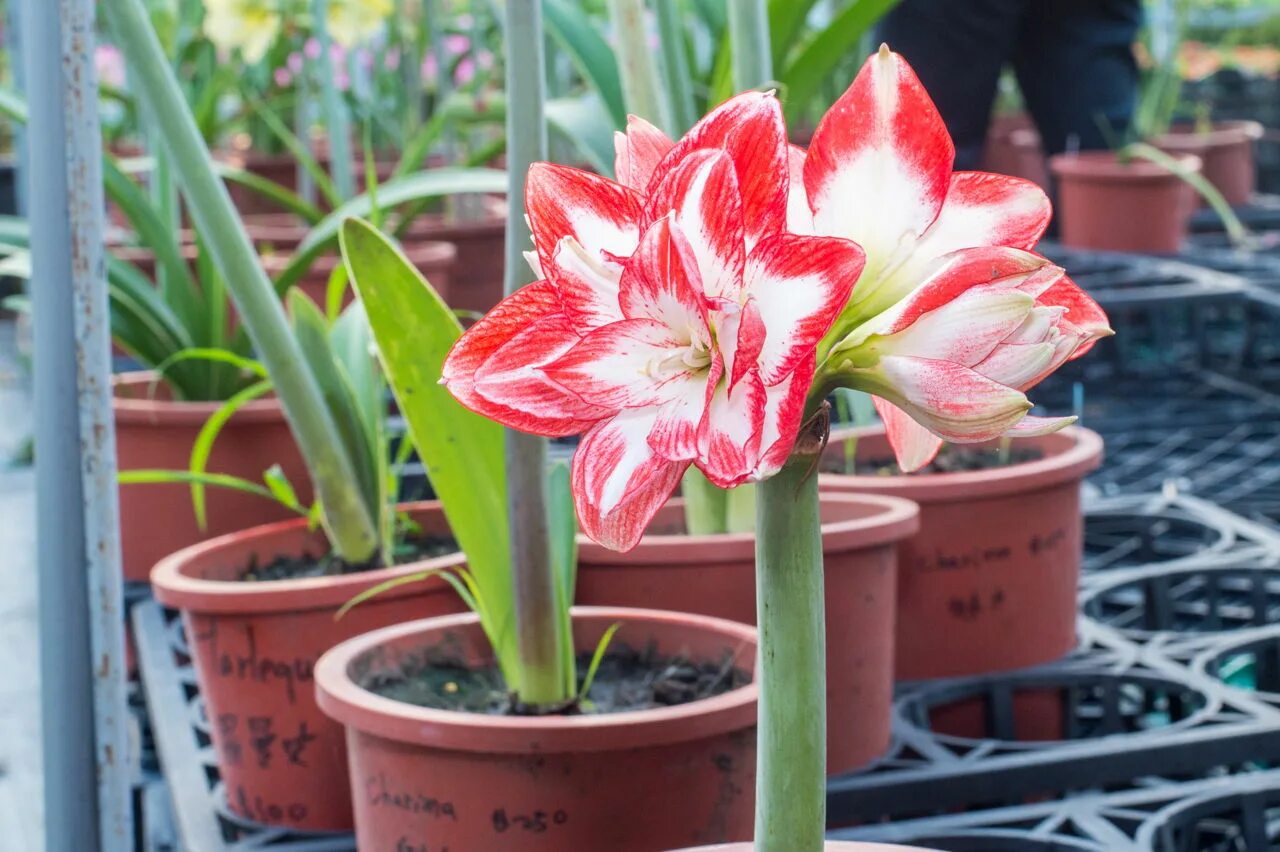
692, 311
675, 322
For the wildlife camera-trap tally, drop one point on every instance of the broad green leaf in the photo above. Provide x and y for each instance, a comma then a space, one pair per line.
590, 53
583, 123
462, 451
562, 529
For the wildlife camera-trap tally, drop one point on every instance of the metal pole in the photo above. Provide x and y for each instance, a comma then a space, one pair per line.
85, 739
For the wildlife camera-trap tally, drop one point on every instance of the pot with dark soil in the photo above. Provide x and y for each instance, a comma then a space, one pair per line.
259, 608
988, 583
660, 755
715, 575
1226, 150
1110, 204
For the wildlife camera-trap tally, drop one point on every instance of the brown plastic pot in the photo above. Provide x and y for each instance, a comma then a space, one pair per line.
255, 647
1013, 148
715, 575
152, 431
475, 283
1226, 151
1109, 205
988, 583
646, 780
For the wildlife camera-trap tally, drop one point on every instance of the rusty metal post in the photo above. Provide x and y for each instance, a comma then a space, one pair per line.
84, 712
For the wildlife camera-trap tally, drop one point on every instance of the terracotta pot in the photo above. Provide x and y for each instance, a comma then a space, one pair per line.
988, 584
1108, 205
647, 780
434, 260
1013, 148
255, 647
282, 169
475, 283
715, 575
1226, 151
155, 432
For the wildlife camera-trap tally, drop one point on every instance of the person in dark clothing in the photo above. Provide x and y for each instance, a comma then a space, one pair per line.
1073, 60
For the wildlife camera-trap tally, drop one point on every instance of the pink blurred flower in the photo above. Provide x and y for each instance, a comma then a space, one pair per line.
283, 77
295, 62
392, 59
312, 48
456, 43
466, 70
110, 65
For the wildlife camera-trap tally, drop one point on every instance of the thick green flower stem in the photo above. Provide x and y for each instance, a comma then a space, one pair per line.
350, 526
544, 680
791, 764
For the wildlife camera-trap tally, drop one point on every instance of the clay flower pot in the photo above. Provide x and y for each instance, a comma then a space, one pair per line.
646, 780
152, 431
255, 647
988, 583
1226, 151
475, 282
435, 260
715, 575
1108, 205
1013, 148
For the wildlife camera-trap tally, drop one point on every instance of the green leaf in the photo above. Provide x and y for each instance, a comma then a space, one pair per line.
590, 53
143, 476
562, 529
824, 51
601, 648
393, 583
414, 187
205, 439
220, 356
281, 488
462, 451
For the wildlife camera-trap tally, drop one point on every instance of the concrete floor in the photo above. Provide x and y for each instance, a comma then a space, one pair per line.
21, 801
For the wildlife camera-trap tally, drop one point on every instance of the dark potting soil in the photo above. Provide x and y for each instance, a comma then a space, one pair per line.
627, 679
297, 566
952, 459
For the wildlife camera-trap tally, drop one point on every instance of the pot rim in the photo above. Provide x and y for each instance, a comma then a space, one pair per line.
431, 252
1104, 166
1220, 134
896, 519
165, 412
175, 588
1070, 462
342, 699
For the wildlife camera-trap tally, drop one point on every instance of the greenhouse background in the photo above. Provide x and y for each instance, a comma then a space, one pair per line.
482, 425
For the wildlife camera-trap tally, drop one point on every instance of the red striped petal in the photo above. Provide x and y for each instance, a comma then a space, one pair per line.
953, 402
783, 411
628, 364
1083, 312
985, 209
913, 445
731, 432
601, 215
588, 286
637, 152
879, 166
749, 128
521, 329
702, 192
619, 483
799, 286
656, 284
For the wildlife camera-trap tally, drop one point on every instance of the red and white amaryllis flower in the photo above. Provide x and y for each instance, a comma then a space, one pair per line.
677, 321
947, 342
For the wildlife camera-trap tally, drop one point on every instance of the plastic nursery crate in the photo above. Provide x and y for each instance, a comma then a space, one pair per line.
1227, 814
1167, 313
1262, 213
1132, 703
